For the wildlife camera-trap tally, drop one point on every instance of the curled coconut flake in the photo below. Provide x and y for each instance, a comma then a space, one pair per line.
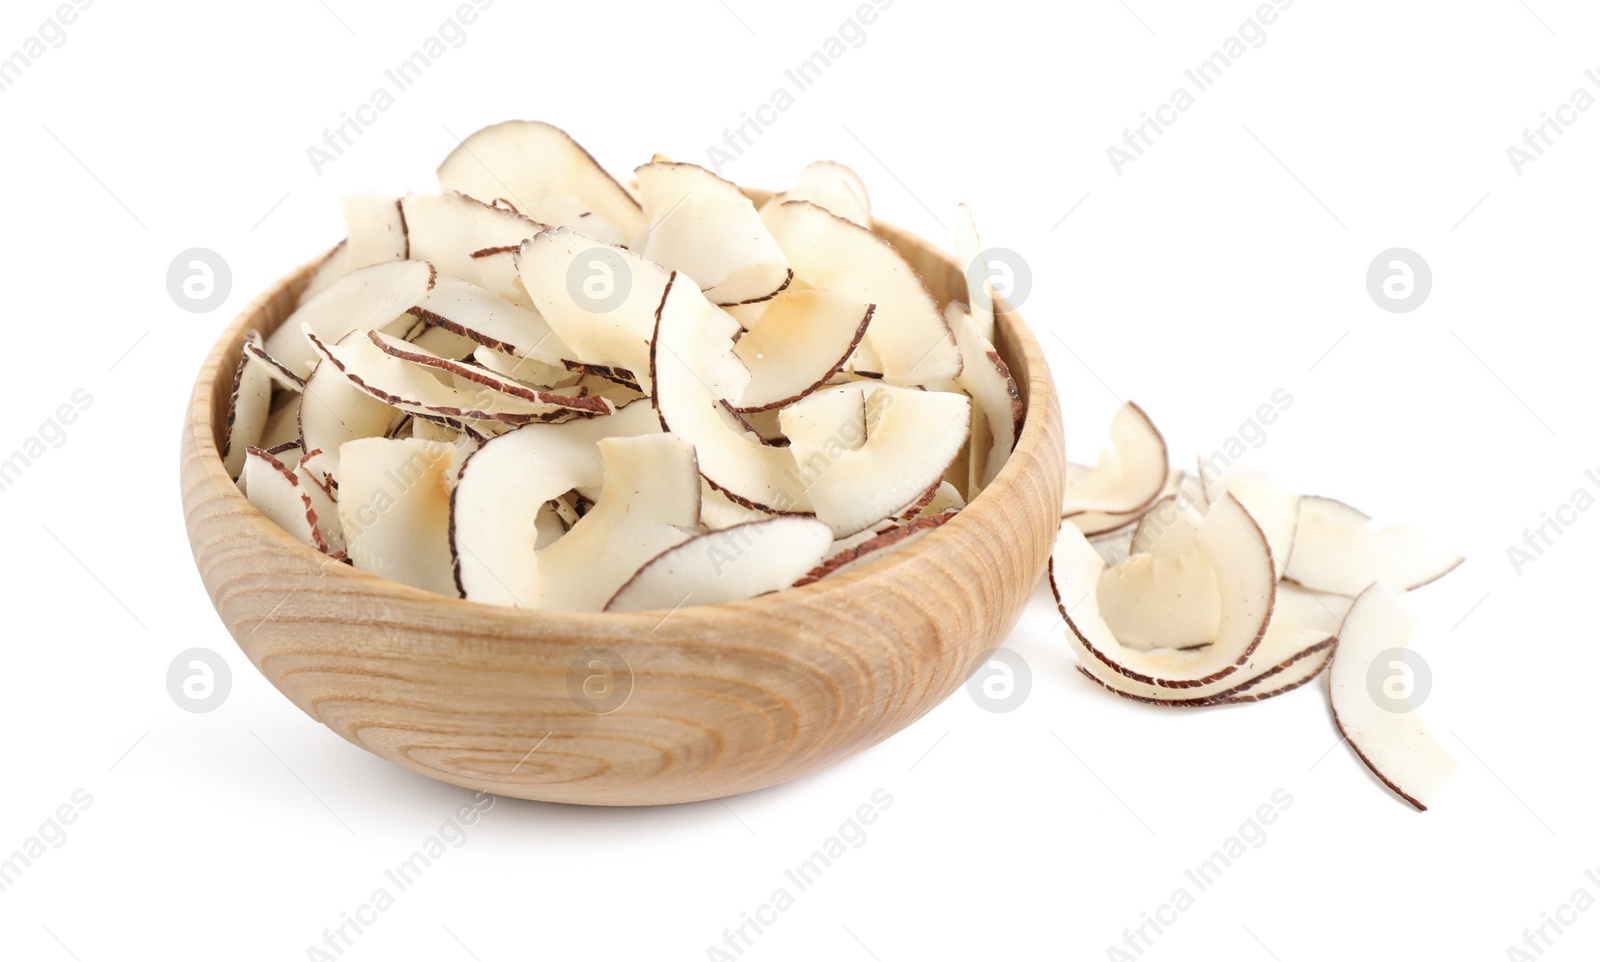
1395, 745
833, 187
869, 546
469, 240
369, 298
332, 411
406, 384
249, 408
1242, 564
275, 490
801, 340
743, 561
281, 375
997, 403
600, 300
474, 375
866, 451
395, 509
648, 504
1336, 549
908, 340
969, 254
490, 320
526, 163
705, 227
503, 485
1129, 476
691, 356
1302, 631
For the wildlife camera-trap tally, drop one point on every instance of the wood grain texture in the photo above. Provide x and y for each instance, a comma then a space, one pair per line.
725, 699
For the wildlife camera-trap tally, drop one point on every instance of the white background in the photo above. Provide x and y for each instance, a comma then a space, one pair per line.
1227, 262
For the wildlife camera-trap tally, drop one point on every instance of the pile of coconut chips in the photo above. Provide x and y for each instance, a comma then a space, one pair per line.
543, 387
1192, 590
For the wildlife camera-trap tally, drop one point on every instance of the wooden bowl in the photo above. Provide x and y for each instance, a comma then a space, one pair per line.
724, 699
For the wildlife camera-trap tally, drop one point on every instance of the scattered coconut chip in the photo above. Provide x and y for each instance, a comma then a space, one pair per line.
1395, 745
415, 354
503, 485
249, 408
599, 299
996, 401
801, 340
1233, 544
528, 163
1098, 524
525, 369
908, 338
1300, 668
333, 411
969, 254
1271, 685
492, 321
370, 362
322, 506
377, 230
1277, 512
705, 227
281, 375
469, 240
1130, 474
649, 503
1336, 550
743, 561
275, 490
868, 546
865, 451
369, 298
1303, 626
395, 509
832, 186
691, 357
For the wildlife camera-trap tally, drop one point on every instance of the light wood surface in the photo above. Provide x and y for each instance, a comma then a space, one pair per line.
725, 699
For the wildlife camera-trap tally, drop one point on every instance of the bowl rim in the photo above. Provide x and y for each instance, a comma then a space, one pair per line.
1037, 394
